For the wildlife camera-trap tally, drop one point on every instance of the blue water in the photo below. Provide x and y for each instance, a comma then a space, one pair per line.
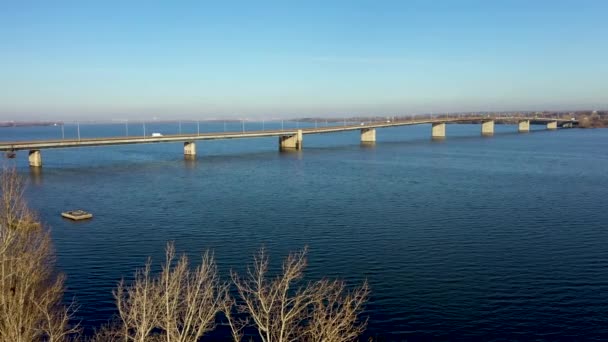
501, 237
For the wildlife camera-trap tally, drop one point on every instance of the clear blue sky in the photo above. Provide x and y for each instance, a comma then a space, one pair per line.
209, 59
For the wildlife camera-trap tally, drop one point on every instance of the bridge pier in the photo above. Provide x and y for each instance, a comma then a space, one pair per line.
523, 126
552, 125
35, 158
438, 130
189, 149
291, 142
368, 135
487, 127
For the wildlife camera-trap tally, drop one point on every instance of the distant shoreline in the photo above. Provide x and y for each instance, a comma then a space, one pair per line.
28, 124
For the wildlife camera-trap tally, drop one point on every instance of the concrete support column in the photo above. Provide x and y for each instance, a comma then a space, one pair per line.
368, 135
291, 142
487, 127
189, 148
35, 158
524, 126
552, 125
438, 131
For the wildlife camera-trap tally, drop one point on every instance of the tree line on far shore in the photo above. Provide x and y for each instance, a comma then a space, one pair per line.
593, 120
180, 303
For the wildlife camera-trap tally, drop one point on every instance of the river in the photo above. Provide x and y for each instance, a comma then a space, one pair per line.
491, 238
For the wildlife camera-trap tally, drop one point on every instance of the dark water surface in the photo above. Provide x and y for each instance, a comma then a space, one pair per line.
469, 238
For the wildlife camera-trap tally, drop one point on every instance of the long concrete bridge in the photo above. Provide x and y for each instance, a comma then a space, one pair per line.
288, 139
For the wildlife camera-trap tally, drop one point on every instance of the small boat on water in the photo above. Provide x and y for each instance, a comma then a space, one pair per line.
77, 215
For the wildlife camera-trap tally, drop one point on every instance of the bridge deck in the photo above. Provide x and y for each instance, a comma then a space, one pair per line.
67, 143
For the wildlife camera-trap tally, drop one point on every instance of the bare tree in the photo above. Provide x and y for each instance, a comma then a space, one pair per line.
190, 299
334, 312
282, 309
178, 305
138, 305
30, 290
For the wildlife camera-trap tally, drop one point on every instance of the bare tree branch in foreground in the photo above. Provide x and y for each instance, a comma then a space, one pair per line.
30, 290
138, 305
334, 313
190, 299
281, 309
178, 305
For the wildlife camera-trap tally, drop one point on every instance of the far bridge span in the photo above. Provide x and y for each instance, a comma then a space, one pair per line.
288, 139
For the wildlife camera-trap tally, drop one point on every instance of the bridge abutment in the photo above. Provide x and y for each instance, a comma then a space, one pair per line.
438, 130
35, 158
368, 135
487, 127
291, 142
189, 149
552, 125
523, 126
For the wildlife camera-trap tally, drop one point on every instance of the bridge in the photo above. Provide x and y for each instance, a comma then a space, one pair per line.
288, 139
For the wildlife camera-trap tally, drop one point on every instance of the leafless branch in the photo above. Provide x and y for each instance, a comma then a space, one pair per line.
282, 309
30, 290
